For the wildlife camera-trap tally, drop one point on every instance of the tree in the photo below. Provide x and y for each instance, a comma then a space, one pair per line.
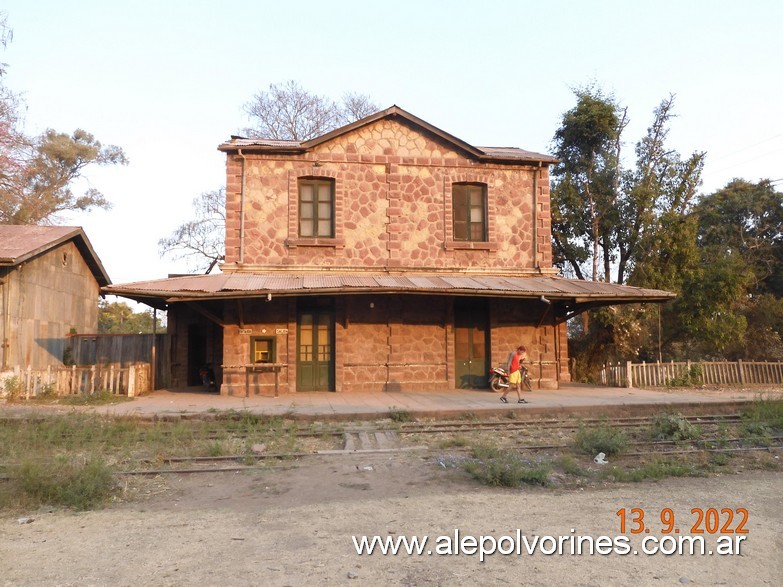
630, 224
585, 181
289, 112
119, 318
39, 187
36, 174
746, 219
604, 215
201, 239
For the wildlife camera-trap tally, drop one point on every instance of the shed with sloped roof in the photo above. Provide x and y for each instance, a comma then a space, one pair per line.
50, 280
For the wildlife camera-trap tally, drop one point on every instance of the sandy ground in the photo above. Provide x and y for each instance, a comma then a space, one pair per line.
292, 525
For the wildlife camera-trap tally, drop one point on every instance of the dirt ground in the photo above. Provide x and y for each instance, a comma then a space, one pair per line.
293, 525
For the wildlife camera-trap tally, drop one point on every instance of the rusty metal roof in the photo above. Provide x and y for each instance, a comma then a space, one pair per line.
18, 243
243, 285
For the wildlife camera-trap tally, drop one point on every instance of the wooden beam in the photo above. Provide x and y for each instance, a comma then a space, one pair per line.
206, 313
241, 312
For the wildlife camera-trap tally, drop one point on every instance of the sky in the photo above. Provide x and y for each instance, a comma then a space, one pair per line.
166, 80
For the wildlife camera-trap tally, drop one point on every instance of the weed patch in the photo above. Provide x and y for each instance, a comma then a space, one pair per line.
400, 416
605, 439
69, 481
657, 469
674, 427
504, 468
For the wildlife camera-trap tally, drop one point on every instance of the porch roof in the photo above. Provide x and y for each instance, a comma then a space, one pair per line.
572, 295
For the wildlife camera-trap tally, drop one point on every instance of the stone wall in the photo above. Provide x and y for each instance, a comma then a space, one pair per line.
393, 207
384, 343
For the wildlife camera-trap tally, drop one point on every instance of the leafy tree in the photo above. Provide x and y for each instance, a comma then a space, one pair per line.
40, 186
119, 318
36, 174
604, 215
201, 239
746, 219
632, 224
585, 180
289, 112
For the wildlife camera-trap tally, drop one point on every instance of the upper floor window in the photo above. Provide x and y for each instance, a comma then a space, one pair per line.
470, 211
316, 208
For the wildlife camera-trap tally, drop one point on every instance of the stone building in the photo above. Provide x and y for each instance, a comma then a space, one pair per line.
387, 255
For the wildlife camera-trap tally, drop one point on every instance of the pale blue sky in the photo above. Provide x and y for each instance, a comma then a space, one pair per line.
166, 81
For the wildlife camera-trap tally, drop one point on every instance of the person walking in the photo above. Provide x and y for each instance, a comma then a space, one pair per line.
514, 368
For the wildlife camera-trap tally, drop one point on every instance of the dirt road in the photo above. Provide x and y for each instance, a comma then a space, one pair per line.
294, 526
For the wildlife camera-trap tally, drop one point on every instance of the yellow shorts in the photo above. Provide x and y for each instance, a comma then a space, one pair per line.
515, 377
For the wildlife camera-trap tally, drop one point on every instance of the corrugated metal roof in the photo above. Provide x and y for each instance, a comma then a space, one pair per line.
18, 243
258, 284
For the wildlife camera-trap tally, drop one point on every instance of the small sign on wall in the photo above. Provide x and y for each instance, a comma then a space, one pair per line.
245, 331
281, 330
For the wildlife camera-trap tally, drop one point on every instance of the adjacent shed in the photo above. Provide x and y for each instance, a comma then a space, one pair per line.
50, 280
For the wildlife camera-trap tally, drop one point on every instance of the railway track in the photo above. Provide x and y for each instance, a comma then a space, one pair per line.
525, 436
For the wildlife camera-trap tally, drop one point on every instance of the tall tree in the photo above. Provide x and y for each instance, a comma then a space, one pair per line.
38, 187
37, 174
202, 239
585, 181
746, 219
604, 215
289, 112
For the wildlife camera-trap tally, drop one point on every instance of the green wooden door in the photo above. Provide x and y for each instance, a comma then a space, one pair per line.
315, 351
471, 333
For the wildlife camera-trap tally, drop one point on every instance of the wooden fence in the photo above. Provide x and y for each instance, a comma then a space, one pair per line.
692, 373
132, 380
124, 350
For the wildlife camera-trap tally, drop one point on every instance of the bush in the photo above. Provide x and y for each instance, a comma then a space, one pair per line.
690, 378
400, 416
767, 412
592, 440
674, 427
72, 482
505, 468
13, 388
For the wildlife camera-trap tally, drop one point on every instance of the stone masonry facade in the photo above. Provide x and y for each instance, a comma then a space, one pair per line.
393, 207
392, 214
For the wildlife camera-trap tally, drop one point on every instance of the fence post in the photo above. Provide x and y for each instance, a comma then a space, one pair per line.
740, 370
29, 382
131, 381
628, 374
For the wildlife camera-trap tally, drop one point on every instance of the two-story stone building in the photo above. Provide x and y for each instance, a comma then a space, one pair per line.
385, 255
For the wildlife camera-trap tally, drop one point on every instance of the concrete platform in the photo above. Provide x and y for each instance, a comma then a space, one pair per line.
584, 400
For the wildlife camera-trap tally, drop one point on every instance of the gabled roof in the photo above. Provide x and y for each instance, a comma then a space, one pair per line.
19, 243
501, 154
572, 295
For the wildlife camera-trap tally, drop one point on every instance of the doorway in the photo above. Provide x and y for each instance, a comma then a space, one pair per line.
315, 350
471, 341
